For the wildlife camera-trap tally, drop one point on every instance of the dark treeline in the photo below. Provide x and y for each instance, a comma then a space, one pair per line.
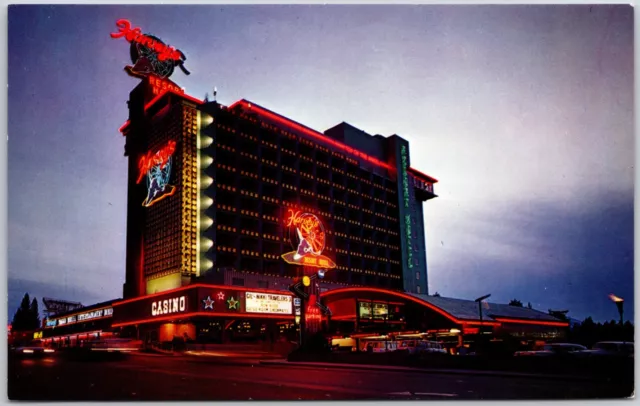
27, 316
589, 332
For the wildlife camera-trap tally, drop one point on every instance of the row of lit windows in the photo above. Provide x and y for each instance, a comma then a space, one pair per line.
227, 208
288, 151
226, 167
269, 144
226, 228
270, 218
226, 147
270, 199
269, 162
271, 237
250, 213
268, 180
226, 249
249, 174
250, 253
250, 194
250, 233
225, 187
248, 155
271, 256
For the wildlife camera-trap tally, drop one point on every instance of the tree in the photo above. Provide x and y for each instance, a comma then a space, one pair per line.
436, 294
34, 315
516, 303
529, 305
20, 322
27, 316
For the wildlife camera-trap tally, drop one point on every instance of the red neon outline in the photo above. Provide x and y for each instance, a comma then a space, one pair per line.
316, 134
207, 314
424, 175
166, 92
541, 322
123, 126
311, 132
414, 299
202, 285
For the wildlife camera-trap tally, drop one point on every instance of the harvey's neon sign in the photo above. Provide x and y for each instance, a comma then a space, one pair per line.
135, 35
157, 168
307, 235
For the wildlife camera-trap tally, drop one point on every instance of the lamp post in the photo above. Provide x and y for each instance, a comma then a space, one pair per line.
619, 304
479, 301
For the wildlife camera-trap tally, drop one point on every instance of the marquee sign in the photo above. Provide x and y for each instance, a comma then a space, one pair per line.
80, 317
149, 54
157, 168
267, 303
306, 234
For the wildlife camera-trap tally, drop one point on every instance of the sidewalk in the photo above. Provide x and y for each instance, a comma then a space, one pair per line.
370, 367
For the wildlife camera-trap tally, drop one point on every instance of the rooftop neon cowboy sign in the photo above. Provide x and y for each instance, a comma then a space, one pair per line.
148, 53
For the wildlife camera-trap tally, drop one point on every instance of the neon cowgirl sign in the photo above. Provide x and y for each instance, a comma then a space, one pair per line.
148, 53
157, 167
308, 237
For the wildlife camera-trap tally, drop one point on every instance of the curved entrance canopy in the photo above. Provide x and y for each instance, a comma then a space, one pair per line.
378, 305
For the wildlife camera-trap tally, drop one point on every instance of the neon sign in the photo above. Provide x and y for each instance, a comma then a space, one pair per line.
158, 85
157, 167
308, 237
148, 53
175, 305
405, 195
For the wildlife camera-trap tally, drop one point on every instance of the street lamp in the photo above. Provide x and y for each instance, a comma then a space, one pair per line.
619, 304
479, 300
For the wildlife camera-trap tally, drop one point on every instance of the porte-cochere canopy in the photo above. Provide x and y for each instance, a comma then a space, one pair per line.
370, 307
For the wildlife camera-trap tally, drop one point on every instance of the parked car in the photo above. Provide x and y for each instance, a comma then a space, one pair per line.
553, 350
429, 347
610, 349
380, 346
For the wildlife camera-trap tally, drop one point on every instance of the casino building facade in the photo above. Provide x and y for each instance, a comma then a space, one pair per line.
233, 209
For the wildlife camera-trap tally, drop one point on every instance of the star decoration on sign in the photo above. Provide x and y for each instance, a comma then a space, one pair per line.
220, 296
233, 304
208, 303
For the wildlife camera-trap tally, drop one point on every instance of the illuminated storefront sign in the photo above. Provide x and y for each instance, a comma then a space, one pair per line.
168, 306
368, 310
157, 167
267, 303
95, 314
306, 234
405, 195
37, 335
148, 53
208, 303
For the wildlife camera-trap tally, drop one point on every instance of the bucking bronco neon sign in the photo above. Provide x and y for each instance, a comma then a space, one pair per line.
148, 53
308, 237
157, 168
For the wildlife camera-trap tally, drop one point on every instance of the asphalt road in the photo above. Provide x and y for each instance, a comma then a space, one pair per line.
141, 377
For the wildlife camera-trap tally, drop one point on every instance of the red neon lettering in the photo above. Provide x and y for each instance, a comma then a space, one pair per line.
135, 35
150, 160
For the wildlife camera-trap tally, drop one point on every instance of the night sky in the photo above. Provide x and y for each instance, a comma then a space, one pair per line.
524, 114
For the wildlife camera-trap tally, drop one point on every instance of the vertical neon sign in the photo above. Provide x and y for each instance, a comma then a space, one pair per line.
407, 218
157, 168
